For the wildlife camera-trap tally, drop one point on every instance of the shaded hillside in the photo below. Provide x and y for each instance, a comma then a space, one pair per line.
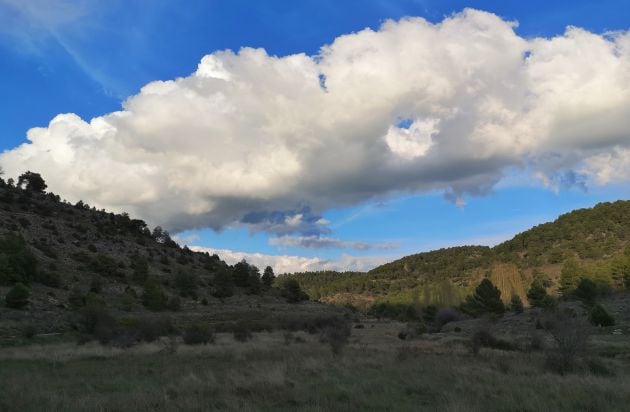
69, 257
594, 241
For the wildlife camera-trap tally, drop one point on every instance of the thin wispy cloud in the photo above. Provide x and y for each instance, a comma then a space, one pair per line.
322, 242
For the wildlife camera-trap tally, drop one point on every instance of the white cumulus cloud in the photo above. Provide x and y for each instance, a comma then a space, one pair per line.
291, 264
272, 142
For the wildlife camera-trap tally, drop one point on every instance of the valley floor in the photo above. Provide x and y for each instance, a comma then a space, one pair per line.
280, 371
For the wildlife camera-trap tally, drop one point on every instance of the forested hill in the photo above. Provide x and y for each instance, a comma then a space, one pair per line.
586, 242
57, 260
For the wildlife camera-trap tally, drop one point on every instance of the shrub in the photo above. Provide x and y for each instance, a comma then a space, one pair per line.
570, 335
600, 317
336, 333
29, 331
17, 297
242, 332
484, 339
429, 312
76, 298
537, 294
198, 334
174, 304
17, 262
98, 322
586, 291
444, 316
292, 292
144, 329
223, 285
96, 284
50, 279
186, 284
403, 313
516, 304
154, 297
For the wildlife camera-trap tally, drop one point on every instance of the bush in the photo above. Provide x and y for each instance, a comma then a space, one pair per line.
336, 333
198, 334
98, 322
570, 335
537, 294
586, 291
242, 332
223, 285
186, 284
144, 329
516, 304
291, 291
444, 316
174, 304
600, 317
397, 311
429, 312
484, 339
17, 297
154, 297
50, 279
17, 263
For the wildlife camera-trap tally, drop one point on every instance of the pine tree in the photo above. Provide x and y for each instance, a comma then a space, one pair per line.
241, 274
268, 277
223, 285
569, 276
485, 300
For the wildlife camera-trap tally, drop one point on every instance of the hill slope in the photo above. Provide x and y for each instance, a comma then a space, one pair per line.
72, 256
594, 242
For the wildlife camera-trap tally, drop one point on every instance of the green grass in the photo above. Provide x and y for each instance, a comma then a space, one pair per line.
265, 374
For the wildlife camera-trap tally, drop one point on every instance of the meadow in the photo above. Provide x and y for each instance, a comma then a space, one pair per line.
283, 371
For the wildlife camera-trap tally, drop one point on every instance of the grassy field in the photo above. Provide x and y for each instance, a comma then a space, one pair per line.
277, 371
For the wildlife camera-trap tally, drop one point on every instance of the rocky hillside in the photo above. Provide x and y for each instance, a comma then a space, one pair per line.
583, 243
65, 257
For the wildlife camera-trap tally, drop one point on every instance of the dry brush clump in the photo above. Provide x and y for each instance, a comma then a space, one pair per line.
570, 335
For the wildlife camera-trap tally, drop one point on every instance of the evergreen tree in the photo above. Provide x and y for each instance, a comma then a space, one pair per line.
240, 273
268, 277
223, 285
569, 276
253, 281
32, 181
485, 300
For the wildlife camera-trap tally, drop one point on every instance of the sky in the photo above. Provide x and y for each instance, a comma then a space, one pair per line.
328, 134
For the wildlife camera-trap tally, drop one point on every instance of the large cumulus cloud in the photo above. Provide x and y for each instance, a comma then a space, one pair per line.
271, 142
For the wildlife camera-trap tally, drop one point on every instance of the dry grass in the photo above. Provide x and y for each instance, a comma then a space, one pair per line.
377, 372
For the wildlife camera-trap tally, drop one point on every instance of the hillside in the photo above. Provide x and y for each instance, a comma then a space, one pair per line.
70, 257
590, 242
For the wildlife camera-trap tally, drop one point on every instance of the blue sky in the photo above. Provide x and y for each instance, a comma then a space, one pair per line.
87, 57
